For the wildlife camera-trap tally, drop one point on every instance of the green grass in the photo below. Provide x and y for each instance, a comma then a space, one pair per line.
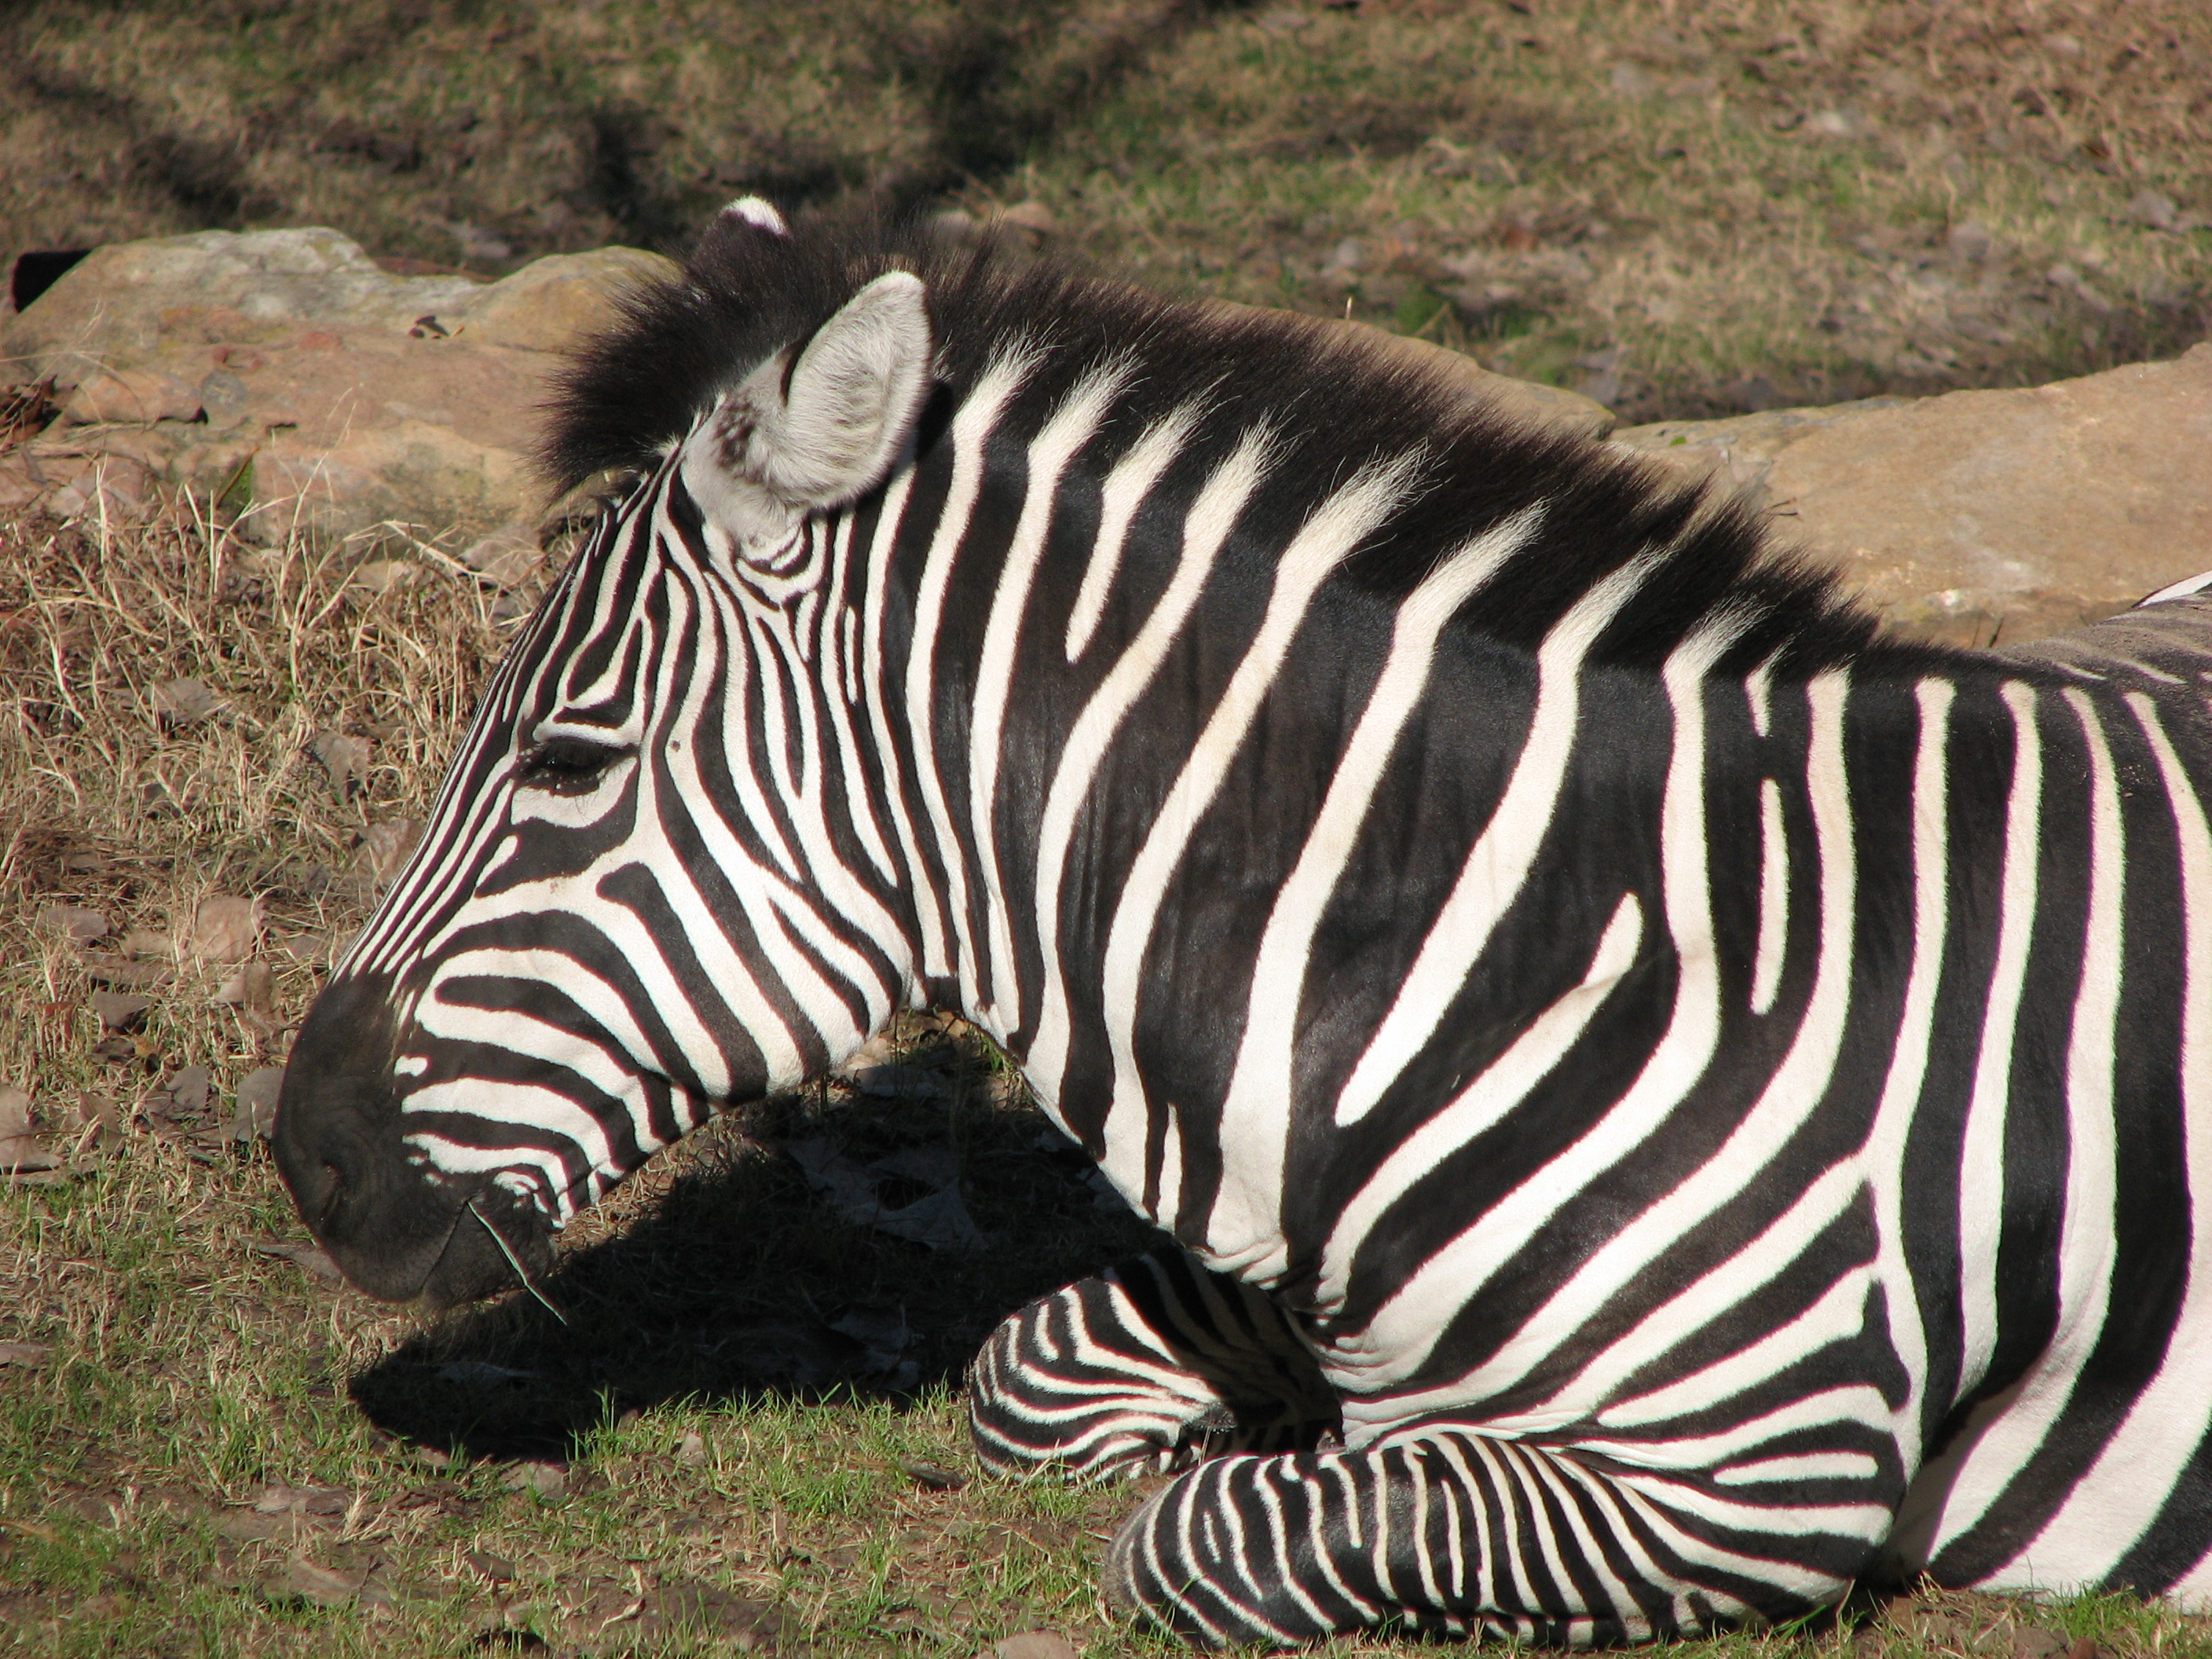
1745, 202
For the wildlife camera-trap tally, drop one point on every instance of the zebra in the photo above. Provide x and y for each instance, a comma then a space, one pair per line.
1663, 1100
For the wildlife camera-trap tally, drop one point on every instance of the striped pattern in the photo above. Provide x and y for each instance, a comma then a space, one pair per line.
1719, 1099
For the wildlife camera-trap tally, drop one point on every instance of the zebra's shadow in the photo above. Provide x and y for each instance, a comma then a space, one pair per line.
724, 1272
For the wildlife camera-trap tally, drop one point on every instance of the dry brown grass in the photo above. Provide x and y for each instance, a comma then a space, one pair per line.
185, 1370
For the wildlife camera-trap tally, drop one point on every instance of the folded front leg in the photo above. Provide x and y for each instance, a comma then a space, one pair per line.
1149, 1366
1455, 1532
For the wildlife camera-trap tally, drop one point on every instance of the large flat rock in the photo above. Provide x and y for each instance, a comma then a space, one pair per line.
1980, 516
289, 373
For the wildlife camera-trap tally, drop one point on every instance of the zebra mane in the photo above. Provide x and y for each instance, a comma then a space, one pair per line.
1334, 403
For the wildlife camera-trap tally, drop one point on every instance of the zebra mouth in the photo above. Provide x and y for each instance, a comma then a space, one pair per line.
497, 1242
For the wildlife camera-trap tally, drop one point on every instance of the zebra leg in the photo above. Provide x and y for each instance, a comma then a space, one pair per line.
1150, 1364
1457, 1532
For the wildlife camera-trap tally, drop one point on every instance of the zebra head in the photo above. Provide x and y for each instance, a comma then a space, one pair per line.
628, 906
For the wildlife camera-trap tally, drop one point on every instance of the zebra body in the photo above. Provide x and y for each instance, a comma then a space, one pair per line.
1665, 1103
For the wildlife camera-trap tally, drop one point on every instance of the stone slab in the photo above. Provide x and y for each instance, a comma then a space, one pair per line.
323, 393
1981, 516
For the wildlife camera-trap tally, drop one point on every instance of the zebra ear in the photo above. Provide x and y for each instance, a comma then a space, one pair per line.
755, 211
797, 437
852, 399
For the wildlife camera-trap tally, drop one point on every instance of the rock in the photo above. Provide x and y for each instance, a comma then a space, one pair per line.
138, 397
340, 400
551, 303
1981, 516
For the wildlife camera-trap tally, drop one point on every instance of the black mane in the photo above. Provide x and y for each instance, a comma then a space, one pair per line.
1335, 402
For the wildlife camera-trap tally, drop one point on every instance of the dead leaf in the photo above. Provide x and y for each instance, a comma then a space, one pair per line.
303, 1580
482, 1373
303, 1500
21, 1154
546, 1479
382, 575
120, 1013
930, 1475
2030, 1643
938, 1219
114, 972
509, 556
692, 1448
344, 758
384, 851
224, 928
188, 1091
187, 702
72, 922
496, 1568
301, 1253
30, 1355
99, 1120
1036, 1644
257, 1092
900, 1082
153, 947
252, 988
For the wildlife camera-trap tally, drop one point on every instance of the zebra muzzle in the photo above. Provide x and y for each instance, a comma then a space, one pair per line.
397, 1230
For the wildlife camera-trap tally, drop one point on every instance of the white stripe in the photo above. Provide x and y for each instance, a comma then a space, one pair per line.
1805, 1466
1397, 1342
971, 430
1237, 1238
1220, 503
1504, 1085
2086, 1228
1497, 866
1838, 1315
890, 518
1773, 898
1981, 1155
1128, 484
1796, 1088
1072, 426
2115, 1502
1884, 1157
1256, 1113
490, 1101
1703, 1301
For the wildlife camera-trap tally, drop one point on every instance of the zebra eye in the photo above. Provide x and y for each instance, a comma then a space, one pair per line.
566, 766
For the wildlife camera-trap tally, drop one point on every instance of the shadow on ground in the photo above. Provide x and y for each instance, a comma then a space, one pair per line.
728, 1277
